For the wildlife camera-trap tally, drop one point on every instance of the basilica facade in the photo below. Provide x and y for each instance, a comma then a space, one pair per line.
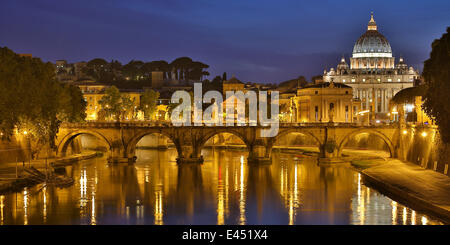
373, 72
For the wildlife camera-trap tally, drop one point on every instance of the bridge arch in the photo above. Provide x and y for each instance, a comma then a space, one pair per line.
377, 133
131, 145
302, 131
67, 139
215, 132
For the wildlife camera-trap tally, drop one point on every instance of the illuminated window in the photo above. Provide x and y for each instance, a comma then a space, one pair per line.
353, 80
389, 80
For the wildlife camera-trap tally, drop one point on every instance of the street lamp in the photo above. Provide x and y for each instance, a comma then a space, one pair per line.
29, 145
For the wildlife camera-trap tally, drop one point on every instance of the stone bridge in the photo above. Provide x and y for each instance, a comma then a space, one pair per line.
122, 138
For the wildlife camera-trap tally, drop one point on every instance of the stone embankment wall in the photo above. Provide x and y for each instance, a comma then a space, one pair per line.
423, 146
13, 150
17, 149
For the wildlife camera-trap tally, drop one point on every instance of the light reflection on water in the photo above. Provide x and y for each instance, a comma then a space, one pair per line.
224, 190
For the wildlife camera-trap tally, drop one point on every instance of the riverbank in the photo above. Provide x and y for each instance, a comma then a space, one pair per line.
421, 189
14, 177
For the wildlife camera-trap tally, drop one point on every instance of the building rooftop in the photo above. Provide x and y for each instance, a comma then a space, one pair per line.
327, 85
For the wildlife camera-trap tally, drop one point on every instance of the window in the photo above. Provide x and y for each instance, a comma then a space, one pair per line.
346, 92
364, 79
389, 80
316, 109
316, 92
353, 80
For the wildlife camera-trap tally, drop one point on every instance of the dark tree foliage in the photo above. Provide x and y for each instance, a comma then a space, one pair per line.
33, 101
215, 84
437, 79
316, 79
183, 68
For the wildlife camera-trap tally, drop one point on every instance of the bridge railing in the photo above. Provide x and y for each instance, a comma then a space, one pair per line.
102, 124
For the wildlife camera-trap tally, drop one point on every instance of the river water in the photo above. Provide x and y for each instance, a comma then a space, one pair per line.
223, 190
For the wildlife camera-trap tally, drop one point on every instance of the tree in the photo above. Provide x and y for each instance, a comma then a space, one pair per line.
436, 73
163, 66
148, 103
111, 103
301, 81
127, 106
181, 66
317, 79
215, 84
32, 101
73, 105
133, 70
196, 72
96, 68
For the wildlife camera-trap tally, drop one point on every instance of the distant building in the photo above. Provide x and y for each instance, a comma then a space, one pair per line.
67, 72
373, 74
325, 102
408, 104
233, 85
287, 107
157, 79
93, 93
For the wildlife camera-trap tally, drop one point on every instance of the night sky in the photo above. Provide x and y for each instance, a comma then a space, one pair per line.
258, 41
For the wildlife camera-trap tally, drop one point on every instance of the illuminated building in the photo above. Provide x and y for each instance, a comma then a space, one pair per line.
320, 102
373, 74
93, 93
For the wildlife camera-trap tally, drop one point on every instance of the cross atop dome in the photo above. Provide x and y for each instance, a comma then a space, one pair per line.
372, 24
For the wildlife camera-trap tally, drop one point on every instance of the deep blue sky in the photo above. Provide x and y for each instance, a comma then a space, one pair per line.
258, 41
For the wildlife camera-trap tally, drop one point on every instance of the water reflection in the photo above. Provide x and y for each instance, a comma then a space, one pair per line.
224, 190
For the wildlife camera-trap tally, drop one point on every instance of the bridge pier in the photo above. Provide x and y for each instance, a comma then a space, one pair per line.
118, 153
189, 154
329, 151
259, 154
